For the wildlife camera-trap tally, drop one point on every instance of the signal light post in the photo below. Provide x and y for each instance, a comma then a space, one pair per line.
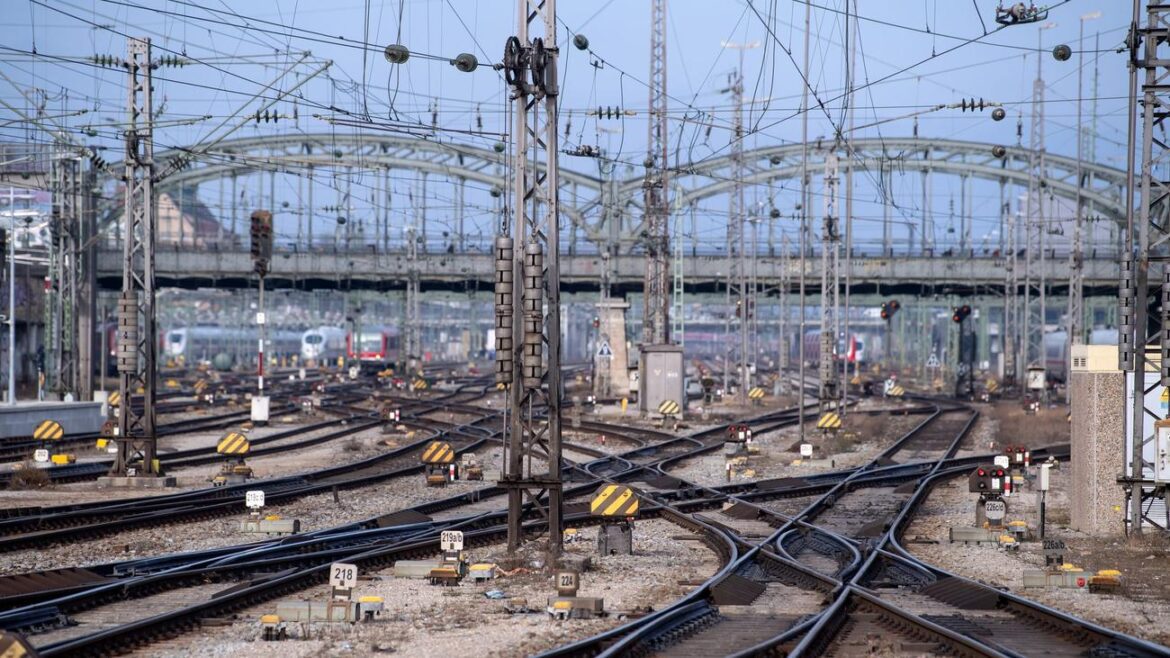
889, 310
965, 377
261, 231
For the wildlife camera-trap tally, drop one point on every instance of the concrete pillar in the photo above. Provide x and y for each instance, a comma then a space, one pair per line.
1097, 401
612, 314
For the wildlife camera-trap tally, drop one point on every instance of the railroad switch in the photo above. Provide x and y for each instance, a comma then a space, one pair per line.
451, 569
341, 605
481, 572
1066, 576
471, 467
272, 628
365, 608
272, 525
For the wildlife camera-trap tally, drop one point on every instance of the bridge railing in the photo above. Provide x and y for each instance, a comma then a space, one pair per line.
482, 244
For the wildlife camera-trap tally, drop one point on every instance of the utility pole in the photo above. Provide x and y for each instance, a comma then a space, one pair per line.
851, 48
1076, 283
413, 342
137, 342
1010, 289
737, 270
530, 69
677, 320
656, 296
61, 311
830, 284
1034, 260
261, 247
785, 283
804, 203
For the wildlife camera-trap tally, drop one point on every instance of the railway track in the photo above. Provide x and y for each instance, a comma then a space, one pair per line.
21, 449
840, 587
827, 600
490, 523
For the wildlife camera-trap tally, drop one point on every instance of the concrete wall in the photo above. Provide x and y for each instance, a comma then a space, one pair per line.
74, 417
1098, 444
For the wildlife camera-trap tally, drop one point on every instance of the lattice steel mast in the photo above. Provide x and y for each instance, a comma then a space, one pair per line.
1035, 312
656, 290
830, 286
737, 292
530, 69
1145, 256
136, 317
64, 274
1010, 298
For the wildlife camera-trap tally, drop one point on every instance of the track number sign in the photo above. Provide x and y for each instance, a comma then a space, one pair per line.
254, 499
40, 455
995, 509
342, 575
451, 540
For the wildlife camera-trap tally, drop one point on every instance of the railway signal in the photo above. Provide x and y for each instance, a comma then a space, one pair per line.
961, 313
965, 373
889, 309
261, 241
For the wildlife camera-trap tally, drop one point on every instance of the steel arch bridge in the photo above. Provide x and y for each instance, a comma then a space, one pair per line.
604, 210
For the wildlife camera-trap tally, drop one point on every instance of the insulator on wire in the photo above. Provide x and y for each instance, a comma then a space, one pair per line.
1126, 294
504, 308
532, 350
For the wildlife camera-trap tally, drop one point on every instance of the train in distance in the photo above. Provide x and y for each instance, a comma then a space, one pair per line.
374, 345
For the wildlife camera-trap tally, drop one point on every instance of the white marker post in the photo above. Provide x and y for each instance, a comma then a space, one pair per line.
1044, 483
342, 580
254, 501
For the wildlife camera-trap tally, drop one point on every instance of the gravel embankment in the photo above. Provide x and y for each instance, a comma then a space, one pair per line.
1140, 609
425, 620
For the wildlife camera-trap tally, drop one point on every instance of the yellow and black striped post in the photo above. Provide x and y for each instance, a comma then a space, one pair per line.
897, 391
419, 385
48, 430
614, 501
13, 645
669, 408
830, 422
438, 452
756, 395
233, 444
114, 399
199, 387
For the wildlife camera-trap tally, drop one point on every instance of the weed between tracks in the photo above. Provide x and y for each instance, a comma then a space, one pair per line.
29, 476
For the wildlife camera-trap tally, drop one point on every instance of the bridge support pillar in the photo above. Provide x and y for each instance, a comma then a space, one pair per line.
1097, 393
612, 372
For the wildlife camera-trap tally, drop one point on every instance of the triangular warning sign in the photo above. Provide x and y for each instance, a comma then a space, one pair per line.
932, 362
604, 351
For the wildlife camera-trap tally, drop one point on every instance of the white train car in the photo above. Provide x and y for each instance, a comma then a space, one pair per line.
227, 347
324, 344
